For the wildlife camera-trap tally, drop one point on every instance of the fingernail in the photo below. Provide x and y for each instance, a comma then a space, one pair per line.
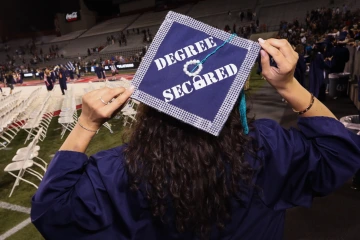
262, 52
261, 40
131, 88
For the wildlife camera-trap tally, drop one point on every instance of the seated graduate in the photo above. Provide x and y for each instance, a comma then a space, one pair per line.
184, 180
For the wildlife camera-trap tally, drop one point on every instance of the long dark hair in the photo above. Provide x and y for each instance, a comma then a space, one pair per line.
188, 171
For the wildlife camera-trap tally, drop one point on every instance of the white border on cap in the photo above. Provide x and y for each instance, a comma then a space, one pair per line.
221, 117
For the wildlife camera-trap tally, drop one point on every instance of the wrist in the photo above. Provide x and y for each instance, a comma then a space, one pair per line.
289, 88
83, 133
78, 140
88, 124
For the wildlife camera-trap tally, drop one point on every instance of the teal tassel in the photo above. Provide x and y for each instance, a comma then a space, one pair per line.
202, 61
242, 110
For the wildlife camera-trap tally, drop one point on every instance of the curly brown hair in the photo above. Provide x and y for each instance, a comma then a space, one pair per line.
186, 170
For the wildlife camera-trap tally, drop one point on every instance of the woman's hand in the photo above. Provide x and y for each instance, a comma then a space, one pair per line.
94, 114
282, 76
100, 105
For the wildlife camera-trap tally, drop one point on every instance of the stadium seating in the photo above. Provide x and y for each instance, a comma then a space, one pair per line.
213, 7
289, 11
110, 26
212, 12
155, 18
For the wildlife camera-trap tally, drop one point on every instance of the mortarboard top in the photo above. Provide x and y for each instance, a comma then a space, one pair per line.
168, 80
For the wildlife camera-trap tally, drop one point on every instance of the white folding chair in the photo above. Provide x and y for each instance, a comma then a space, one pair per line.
23, 162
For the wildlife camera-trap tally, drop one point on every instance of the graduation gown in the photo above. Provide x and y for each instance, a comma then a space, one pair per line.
316, 74
89, 198
341, 57
21, 79
102, 71
10, 81
49, 83
98, 72
62, 80
300, 70
71, 74
41, 75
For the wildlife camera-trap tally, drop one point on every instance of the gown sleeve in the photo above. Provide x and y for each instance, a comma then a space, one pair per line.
77, 194
297, 165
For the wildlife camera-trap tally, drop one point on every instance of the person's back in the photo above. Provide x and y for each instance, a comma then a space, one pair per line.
316, 74
300, 68
173, 181
341, 57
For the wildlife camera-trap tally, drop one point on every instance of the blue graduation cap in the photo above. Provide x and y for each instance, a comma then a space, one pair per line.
194, 72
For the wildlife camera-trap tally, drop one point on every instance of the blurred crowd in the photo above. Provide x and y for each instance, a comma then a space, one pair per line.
323, 25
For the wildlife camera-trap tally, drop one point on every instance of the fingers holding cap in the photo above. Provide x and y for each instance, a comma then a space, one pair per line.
273, 51
285, 48
118, 101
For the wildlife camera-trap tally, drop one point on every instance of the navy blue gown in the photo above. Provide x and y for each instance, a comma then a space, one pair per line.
41, 75
341, 57
300, 70
48, 82
316, 75
89, 198
21, 80
71, 74
62, 81
98, 72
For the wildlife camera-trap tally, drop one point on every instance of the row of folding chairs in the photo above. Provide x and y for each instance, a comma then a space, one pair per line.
68, 114
9, 124
24, 162
90, 87
129, 111
8, 104
11, 120
40, 117
9, 99
32, 101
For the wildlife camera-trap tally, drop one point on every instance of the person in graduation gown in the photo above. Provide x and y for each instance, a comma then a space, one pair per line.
102, 71
98, 71
10, 81
317, 73
53, 76
16, 77
21, 77
77, 71
71, 74
62, 80
341, 56
300, 65
41, 74
48, 81
174, 181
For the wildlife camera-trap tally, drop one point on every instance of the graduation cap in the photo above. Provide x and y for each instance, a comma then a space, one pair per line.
195, 72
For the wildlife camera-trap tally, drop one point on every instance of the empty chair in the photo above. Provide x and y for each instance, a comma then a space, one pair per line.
23, 163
